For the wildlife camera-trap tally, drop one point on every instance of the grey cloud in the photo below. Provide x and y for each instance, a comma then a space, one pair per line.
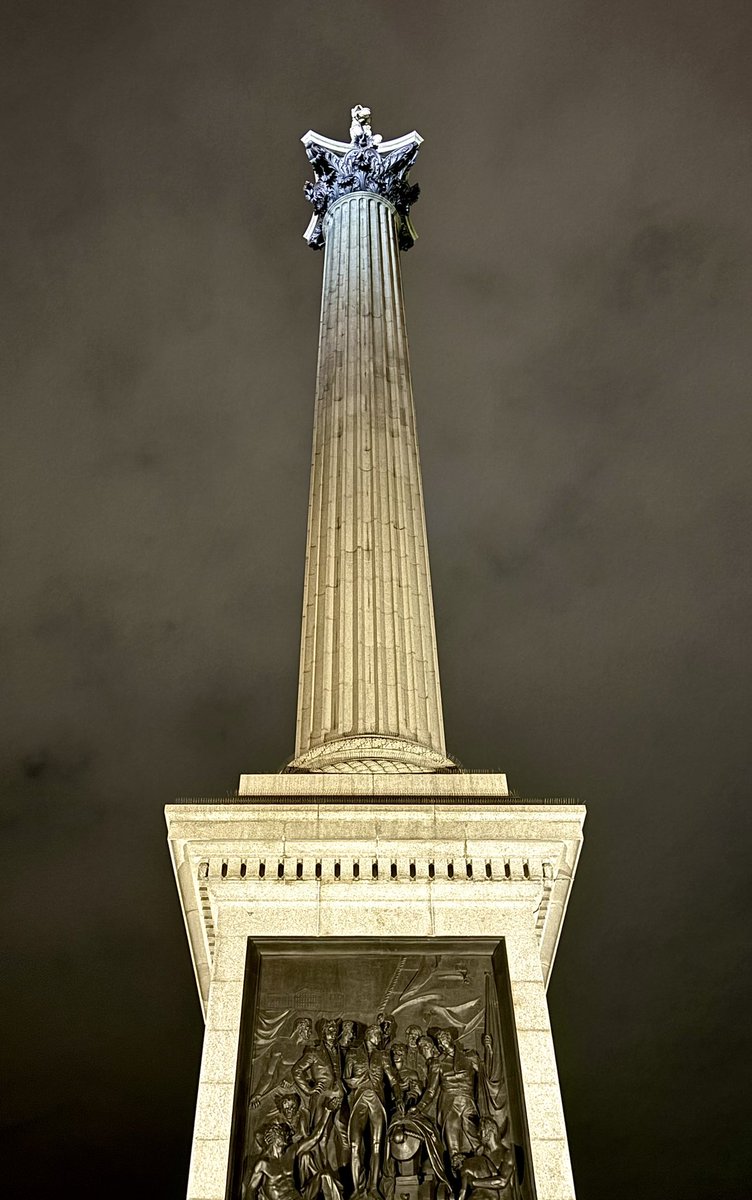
579, 322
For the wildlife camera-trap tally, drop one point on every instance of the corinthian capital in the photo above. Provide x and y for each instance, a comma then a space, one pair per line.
365, 164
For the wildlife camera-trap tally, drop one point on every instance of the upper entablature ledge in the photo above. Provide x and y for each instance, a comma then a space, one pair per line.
364, 164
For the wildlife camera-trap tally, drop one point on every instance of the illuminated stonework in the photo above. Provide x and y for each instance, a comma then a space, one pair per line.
373, 887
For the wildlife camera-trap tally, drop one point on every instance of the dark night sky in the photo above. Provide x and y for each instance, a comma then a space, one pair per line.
579, 315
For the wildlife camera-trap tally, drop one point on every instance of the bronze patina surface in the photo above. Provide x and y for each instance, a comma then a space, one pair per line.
378, 1072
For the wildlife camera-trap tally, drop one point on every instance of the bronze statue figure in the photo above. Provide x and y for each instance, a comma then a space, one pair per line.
282, 1056
487, 1175
367, 1068
273, 1175
452, 1080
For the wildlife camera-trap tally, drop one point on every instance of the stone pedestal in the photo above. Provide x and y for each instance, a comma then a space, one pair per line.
455, 859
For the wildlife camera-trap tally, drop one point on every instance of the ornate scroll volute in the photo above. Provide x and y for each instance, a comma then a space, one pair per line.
365, 164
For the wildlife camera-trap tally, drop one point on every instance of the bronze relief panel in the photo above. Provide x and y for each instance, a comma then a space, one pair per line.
378, 1072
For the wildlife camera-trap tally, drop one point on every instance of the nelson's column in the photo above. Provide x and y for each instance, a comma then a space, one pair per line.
373, 928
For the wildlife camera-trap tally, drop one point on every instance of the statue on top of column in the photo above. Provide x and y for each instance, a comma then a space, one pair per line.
361, 125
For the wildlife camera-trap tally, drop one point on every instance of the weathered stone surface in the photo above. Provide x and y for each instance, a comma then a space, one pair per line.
552, 1168
220, 1054
544, 1111
369, 697
214, 1110
537, 1056
285, 788
207, 1178
530, 1007
225, 1003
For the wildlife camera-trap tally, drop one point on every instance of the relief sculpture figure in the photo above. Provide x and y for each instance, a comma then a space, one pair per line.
413, 1137
348, 1035
415, 1066
487, 1175
291, 1110
273, 1175
452, 1080
318, 1077
367, 1070
282, 1056
307, 1158
410, 1084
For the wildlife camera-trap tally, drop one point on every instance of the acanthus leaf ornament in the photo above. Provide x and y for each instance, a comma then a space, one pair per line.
366, 164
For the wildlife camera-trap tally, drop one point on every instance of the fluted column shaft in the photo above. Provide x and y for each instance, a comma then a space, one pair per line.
368, 655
